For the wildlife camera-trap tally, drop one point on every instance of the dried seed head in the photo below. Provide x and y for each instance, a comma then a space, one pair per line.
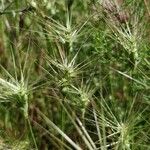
122, 16
108, 6
114, 8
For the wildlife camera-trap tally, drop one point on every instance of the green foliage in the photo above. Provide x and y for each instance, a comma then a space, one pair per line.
74, 74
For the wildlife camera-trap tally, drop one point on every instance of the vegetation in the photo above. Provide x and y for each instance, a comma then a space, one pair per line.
74, 75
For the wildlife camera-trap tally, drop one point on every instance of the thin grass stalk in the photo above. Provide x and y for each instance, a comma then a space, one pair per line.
60, 132
80, 131
32, 133
97, 127
53, 136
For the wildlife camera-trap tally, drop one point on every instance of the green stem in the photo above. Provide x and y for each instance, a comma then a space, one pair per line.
32, 134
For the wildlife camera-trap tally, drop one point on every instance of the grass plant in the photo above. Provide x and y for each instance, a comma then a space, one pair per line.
74, 75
